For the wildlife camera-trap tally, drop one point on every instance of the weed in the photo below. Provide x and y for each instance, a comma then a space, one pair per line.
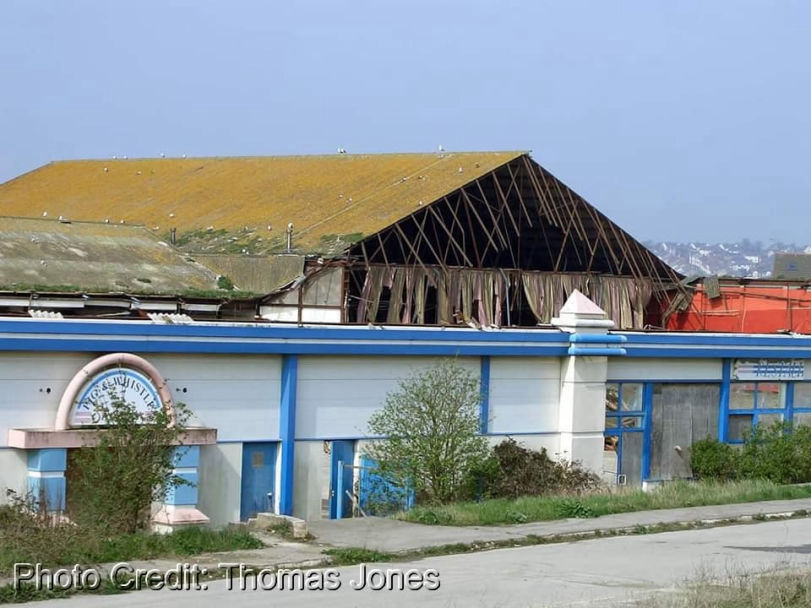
498, 511
353, 555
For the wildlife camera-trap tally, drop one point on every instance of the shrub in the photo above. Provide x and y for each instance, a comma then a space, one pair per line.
780, 453
713, 459
431, 425
117, 481
223, 282
513, 470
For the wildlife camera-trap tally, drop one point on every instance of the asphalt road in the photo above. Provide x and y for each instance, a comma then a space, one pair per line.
600, 572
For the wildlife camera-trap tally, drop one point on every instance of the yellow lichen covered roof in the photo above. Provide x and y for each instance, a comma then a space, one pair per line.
321, 195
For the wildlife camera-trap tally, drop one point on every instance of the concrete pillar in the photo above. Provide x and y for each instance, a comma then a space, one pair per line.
46, 477
583, 377
180, 505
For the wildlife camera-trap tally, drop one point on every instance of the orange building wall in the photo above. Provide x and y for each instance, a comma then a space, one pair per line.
749, 308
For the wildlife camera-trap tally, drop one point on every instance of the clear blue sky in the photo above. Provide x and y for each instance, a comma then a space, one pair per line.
681, 120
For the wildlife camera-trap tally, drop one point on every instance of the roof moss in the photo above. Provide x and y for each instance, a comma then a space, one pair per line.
251, 198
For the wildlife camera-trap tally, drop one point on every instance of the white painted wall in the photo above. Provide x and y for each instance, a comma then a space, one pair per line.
320, 315
532, 442
311, 480
628, 368
279, 313
219, 489
237, 395
524, 393
25, 379
13, 472
336, 395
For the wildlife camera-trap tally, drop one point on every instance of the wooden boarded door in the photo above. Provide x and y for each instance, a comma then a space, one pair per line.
682, 414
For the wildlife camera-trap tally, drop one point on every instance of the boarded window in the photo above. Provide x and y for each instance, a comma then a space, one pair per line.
682, 414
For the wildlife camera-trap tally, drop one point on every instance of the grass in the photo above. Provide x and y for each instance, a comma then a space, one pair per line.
784, 590
545, 508
355, 555
60, 546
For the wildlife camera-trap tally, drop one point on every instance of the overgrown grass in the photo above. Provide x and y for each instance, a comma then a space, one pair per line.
67, 545
350, 556
543, 508
785, 590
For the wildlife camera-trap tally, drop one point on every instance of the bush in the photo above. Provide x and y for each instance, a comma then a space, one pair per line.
431, 425
117, 480
513, 470
780, 453
712, 459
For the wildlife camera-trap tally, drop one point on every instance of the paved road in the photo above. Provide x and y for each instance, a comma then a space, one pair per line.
599, 572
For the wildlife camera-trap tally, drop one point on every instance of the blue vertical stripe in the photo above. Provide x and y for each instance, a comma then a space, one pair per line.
287, 430
484, 405
723, 410
647, 437
789, 402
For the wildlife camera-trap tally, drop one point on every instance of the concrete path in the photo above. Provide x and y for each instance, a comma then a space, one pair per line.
275, 554
394, 536
600, 572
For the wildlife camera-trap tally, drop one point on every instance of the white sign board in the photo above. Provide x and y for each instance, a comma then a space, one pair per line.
120, 383
769, 369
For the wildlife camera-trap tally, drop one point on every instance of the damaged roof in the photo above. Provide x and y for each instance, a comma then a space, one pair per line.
331, 200
38, 254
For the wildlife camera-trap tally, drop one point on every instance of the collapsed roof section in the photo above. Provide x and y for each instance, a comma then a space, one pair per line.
516, 216
505, 248
485, 238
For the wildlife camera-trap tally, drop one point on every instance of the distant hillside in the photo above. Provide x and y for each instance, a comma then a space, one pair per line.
746, 258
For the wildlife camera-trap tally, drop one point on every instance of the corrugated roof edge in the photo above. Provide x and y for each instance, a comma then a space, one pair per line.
515, 153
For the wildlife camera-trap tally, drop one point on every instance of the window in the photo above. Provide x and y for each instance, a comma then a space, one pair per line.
624, 428
755, 403
623, 407
770, 395
802, 395
802, 404
740, 425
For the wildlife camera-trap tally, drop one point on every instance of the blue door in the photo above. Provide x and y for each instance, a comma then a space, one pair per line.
258, 479
342, 459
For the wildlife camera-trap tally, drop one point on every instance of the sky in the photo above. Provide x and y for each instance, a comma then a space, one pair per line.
681, 121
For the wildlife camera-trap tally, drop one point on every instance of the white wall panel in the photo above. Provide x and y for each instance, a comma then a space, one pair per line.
524, 394
620, 368
311, 481
31, 386
219, 489
532, 442
336, 395
237, 395
13, 472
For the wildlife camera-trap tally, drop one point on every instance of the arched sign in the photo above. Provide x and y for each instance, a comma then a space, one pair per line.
115, 376
122, 384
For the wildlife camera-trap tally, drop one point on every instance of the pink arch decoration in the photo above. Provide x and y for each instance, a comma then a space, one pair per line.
112, 360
